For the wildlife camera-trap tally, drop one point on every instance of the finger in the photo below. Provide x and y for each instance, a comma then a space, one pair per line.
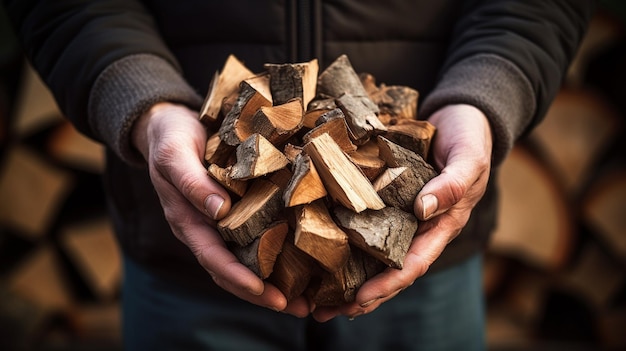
438, 195
190, 227
193, 182
298, 307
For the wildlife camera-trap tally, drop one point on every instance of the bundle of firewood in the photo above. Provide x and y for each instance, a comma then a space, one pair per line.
323, 170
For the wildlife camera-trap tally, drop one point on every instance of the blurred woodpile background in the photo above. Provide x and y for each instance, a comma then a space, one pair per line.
555, 273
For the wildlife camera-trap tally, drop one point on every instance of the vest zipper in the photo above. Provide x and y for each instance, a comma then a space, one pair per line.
305, 30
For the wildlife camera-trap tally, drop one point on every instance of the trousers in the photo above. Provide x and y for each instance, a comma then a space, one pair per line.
444, 310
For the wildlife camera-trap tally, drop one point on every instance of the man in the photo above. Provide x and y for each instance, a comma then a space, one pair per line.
132, 74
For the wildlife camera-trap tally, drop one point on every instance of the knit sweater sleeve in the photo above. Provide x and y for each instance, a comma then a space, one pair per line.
508, 58
126, 89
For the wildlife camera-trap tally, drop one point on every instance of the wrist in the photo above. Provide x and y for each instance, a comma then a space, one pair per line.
139, 132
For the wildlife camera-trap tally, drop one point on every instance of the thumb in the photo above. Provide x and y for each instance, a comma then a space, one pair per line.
440, 194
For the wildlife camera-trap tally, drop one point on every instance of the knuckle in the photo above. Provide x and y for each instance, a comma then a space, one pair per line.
188, 183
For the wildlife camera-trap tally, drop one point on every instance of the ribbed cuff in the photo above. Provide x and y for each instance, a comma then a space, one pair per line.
128, 88
495, 86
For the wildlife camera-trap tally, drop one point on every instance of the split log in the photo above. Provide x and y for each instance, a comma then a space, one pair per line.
256, 156
317, 235
344, 181
398, 187
290, 81
32, 192
341, 287
224, 83
248, 102
317, 108
603, 210
412, 134
385, 234
420, 173
339, 78
595, 276
305, 185
292, 151
399, 102
578, 129
333, 123
250, 216
398, 156
261, 83
361, 118
260, 255
222, 176
276, 123
292, 271
329, 161
281, 178
369, 83
93, 249
534, 222
371, 165
67, 145
39, 279
218, 152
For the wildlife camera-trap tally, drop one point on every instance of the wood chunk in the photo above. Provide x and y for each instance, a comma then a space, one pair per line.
289, 81
534, 221
256, 156
371, 165
260, 255
397, 187
603, 210
361, 118
317, 235
222, 176
92, 247
277, 123
577, 131
369, 83
35, 105
70, 146
261, 83
218, 152
412, 134
31, 191
229, 102
317, 108
344, 181
305, 185
334, 124
339, 78
396, 101
397, 156
250, 216
292, 271
595, 277
40, 280
385, 234
236, 123
341, 287
281, 178
224, 83
291, 151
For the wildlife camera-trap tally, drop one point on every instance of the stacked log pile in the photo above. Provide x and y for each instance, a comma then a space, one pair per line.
324, 169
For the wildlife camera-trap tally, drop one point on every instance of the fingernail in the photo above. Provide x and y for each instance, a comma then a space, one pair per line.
213, 204
429, 205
